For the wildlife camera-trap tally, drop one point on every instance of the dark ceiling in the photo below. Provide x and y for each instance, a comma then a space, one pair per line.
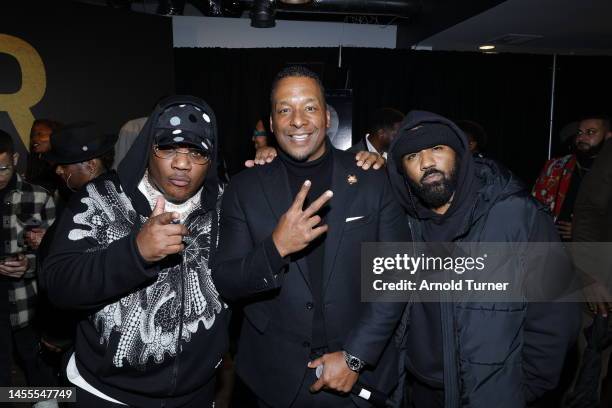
580, 27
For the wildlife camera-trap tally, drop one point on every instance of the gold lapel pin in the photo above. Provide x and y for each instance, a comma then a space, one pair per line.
351, 179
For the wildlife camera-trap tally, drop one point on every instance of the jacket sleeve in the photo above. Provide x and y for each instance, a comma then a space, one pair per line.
594, 201
76, 274
243, 268
551, 328
47, 217
379, 320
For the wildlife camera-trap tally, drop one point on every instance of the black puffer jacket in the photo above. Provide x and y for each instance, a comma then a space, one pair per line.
494, 354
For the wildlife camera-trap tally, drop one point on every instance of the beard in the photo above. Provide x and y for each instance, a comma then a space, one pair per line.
585, 151
437, 193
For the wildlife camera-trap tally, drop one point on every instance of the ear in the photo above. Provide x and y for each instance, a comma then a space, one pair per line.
91, 165
327, 118
15, 158
271, 124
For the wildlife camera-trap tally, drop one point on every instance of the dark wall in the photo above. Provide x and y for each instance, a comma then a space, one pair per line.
583, 88
101, 64
508, 94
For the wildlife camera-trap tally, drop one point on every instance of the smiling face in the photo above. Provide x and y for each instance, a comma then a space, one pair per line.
40, 138
299, 118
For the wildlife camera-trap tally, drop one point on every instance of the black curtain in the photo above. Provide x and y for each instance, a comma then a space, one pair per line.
583, 88
508, 94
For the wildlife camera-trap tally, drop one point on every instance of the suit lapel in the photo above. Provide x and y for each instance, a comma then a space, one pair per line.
275, 185
344, 193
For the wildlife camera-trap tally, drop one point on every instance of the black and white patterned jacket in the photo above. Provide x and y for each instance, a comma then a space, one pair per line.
155, 331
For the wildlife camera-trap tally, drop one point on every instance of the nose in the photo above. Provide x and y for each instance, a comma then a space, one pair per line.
581, 137
59, 171
297, 119
181, 162
427, 159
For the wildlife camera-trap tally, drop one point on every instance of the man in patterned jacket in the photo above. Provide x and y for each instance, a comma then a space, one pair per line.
132, 250
21, 205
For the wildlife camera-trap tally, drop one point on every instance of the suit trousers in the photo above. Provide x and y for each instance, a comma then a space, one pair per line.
321, 399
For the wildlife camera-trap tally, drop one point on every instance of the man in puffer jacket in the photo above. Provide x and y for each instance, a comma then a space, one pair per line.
476, 355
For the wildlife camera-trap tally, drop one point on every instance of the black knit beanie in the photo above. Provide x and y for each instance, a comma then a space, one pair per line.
425, 136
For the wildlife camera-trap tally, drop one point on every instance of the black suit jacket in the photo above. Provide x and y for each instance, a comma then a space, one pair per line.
274, 344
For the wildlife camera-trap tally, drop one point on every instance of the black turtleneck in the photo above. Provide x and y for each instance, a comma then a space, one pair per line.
319, 172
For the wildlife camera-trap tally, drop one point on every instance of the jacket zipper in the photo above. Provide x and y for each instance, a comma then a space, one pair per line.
450, 374
452, 393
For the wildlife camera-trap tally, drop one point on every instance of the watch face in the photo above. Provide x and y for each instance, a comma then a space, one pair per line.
353, 362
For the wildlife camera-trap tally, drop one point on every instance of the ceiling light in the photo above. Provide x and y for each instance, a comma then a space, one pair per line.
486, 47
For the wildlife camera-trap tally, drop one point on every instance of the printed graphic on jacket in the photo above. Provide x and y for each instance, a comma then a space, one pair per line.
147, 321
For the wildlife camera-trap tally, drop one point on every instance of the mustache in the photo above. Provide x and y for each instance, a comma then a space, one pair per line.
430, 172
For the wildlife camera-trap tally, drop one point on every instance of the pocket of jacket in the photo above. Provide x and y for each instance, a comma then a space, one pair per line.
489, 335
363, 221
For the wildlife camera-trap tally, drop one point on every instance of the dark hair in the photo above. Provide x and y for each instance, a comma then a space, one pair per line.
605, 119
51, 124
384, 118
107, 159
474, 129
6, 143
295, 71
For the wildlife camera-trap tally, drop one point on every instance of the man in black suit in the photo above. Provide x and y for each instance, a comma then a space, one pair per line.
295, 262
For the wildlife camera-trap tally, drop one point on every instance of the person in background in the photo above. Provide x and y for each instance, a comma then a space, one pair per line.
22, 205
39, 171
80, 156
382, 129
559, 181
477, 137
592, 224
127, 134
260, 135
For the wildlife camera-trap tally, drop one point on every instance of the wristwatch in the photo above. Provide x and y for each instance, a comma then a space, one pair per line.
353, 363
